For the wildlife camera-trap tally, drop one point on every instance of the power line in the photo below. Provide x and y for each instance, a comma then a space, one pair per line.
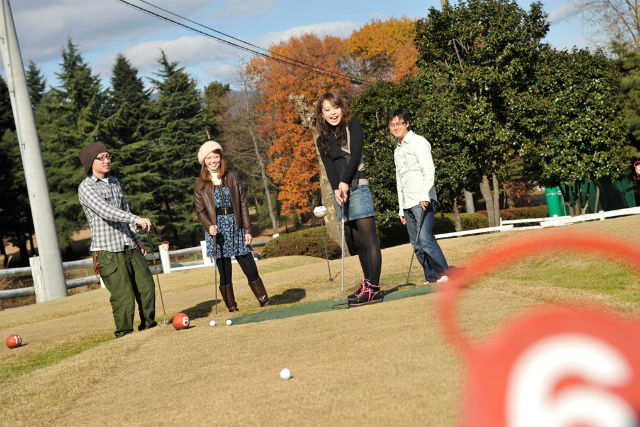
270, 55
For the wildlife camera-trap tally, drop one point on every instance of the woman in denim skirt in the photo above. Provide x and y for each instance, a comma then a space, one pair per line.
340, 144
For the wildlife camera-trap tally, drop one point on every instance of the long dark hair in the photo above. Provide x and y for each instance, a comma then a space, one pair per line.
323, 127
205, 175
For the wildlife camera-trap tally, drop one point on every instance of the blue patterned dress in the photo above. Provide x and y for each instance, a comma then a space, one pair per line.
230, 239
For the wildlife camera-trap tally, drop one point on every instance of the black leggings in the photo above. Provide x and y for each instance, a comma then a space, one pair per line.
247, 263
365, 238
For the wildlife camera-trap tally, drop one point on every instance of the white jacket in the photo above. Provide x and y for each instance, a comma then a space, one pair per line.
415, 172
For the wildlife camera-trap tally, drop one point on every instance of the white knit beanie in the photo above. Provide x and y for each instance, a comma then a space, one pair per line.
207, 148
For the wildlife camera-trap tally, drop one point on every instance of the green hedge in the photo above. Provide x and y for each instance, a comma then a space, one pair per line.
445, 222
309, 242
305, 242
521, 213
396, 233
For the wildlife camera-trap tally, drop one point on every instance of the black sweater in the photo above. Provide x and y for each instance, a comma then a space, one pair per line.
331, 159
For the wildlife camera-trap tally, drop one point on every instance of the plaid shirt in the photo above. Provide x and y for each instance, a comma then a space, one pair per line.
112, 225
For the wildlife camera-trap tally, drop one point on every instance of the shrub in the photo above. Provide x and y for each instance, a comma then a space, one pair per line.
522, 213
305, 242
445, 222
396, 233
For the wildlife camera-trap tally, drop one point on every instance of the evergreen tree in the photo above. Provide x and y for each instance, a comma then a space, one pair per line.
214, 93
126, 125
573, 120
177, 129
68, 118
487, 51
16, 224
127, 105
628, 64
36, 84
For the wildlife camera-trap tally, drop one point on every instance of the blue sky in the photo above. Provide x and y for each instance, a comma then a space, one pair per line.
103, 28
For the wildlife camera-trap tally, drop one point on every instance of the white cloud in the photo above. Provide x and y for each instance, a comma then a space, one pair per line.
563, 12
43, 26
338, 29
197, 52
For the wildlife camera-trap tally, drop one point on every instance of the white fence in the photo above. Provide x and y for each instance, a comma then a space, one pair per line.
162, 257
166, 266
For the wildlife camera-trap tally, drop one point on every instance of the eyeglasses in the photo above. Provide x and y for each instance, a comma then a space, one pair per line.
105, 157
396, 124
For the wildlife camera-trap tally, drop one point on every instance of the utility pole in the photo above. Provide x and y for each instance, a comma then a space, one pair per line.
41, 210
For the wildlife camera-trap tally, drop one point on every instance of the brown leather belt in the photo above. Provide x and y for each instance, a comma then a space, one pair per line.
224, 211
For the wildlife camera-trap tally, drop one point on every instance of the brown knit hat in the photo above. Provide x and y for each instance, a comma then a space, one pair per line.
89, 153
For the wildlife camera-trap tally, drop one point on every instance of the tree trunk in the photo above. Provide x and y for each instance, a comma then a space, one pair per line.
496, 199
24, 252
468, 202
3, 252
586, 198
33, 249
456, 215
263, 168
488, 198
308, 118
595, 207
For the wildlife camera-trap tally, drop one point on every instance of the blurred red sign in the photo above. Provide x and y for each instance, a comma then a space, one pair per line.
165, 245
560, 366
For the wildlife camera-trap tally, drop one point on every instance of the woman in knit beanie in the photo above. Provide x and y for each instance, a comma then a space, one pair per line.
222, 208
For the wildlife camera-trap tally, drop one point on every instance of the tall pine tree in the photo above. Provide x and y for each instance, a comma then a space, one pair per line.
16, 224
214, 94
177, 131
36, 84
68, 118
128, 106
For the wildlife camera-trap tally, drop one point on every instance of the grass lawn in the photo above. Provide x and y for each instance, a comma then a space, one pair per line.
382, 365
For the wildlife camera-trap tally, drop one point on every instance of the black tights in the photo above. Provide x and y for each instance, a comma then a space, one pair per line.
247, 263
365, 238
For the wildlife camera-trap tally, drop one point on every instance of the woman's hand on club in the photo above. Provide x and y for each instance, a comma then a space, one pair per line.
213, 230
341, 193
247, 239
343, 188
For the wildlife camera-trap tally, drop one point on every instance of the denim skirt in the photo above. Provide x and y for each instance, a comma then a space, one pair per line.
359, 205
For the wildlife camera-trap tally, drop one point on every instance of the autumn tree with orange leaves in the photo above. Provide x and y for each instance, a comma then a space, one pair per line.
383, 50
295, 166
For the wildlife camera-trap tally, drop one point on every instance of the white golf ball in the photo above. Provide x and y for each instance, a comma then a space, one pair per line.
285, 374
212, 323
229, 322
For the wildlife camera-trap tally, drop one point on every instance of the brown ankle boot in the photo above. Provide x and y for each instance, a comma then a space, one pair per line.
260, 292
228, 297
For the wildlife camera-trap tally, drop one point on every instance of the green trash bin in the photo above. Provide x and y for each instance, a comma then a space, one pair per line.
555, 201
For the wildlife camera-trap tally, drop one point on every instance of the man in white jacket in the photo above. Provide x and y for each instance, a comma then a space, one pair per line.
417, 198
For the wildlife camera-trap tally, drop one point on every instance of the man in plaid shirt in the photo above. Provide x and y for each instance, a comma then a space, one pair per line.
118, 249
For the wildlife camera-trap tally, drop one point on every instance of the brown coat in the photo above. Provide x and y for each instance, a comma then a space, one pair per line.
206, 205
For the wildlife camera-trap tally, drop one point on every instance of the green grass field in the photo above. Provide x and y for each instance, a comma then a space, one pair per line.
382, 365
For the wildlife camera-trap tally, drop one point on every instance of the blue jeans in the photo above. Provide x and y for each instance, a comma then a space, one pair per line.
427, 248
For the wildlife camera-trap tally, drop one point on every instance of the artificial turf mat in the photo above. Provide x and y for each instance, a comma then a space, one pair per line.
327, 305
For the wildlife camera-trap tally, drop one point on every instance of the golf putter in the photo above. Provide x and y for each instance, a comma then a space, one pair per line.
413, 252
155, 267
215, 271
342, 247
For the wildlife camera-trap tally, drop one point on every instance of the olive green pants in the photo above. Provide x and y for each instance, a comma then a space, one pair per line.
128, 279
